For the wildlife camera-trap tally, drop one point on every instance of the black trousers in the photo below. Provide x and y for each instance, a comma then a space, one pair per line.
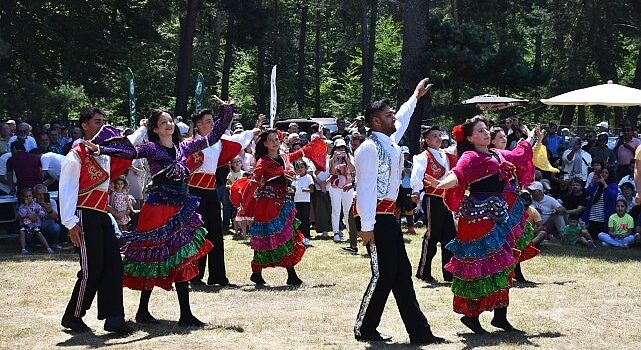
100, 268
302, 214
209, 209
440, 228
391, 272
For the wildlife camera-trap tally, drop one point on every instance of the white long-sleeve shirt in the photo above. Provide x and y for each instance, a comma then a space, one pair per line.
69, 185
366, 160
419, 166
212, 153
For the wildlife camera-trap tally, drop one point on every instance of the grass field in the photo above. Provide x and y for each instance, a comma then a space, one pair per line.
581, 299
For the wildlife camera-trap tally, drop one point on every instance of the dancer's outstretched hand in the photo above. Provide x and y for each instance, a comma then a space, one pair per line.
230, 101
91, 146
423, 88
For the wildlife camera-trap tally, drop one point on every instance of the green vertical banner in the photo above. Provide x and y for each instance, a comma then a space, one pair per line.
198, 94
132, 98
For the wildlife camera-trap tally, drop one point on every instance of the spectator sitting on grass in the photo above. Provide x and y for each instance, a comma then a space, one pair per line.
575, 202
626, 193
552, 212
30, 216
574, 233
534, 218
620, 228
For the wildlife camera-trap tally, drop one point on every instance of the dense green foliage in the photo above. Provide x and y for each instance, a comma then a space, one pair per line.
56, 56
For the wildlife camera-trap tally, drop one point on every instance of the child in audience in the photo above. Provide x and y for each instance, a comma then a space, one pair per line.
30, 216
235, 173
574, 233
304, 186
534, 218
120, 203
621, 228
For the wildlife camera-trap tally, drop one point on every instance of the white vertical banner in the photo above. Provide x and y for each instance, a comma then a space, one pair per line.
272, 102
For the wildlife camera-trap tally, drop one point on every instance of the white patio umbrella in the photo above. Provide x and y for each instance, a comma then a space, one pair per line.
610, 94
493, 103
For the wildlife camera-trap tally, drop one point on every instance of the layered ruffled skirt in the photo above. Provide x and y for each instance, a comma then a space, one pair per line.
274, 234
167, 243
487, 246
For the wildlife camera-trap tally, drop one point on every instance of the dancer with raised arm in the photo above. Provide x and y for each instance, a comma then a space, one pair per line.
266, 202
490, 221
379, 163
169, 239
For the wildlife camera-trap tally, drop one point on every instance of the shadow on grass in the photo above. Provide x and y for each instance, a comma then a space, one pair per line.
141, 333
604, 253
254, 288
472, 340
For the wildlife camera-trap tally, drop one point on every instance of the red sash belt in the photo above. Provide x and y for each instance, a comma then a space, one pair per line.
385, 206
96, 199
202, 180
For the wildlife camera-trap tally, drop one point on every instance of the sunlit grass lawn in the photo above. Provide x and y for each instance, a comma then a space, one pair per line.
582, 299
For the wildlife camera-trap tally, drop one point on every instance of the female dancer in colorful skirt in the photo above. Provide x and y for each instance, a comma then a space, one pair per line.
266, 201
168, 241
490, 221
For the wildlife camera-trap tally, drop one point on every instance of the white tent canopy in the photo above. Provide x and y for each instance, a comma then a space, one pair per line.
612, 95
494, 103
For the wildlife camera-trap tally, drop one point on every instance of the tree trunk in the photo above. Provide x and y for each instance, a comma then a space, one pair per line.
260, 79
567, 116
317, 66
300, 81
185, 53
365, 79
633, 112
229, 53
454, 10
580, 119
414, 63
372, 44
215, 55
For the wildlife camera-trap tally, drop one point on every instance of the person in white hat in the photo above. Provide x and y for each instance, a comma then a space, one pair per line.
602, 127
552, 212
341, 189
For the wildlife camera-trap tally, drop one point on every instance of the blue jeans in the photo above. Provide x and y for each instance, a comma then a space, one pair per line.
52, 232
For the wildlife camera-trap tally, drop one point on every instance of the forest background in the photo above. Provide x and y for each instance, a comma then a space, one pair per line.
333, 57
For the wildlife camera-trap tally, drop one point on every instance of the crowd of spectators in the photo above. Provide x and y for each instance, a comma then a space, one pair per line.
595, 178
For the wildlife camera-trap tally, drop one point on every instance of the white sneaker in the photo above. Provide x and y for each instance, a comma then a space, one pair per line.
307, 242
337, 238
49, 251
25, 252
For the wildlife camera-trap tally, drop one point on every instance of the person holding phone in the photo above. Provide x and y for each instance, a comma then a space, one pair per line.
51, 229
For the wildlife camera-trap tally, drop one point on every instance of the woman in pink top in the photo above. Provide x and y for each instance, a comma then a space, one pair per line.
341, 190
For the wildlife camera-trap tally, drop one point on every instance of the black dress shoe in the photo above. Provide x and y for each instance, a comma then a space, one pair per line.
373, 337
222, 284
146, 317
76, 324
430, 339
473, 324
294, 281
504, 325
117, 325
191, 321
257, 278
